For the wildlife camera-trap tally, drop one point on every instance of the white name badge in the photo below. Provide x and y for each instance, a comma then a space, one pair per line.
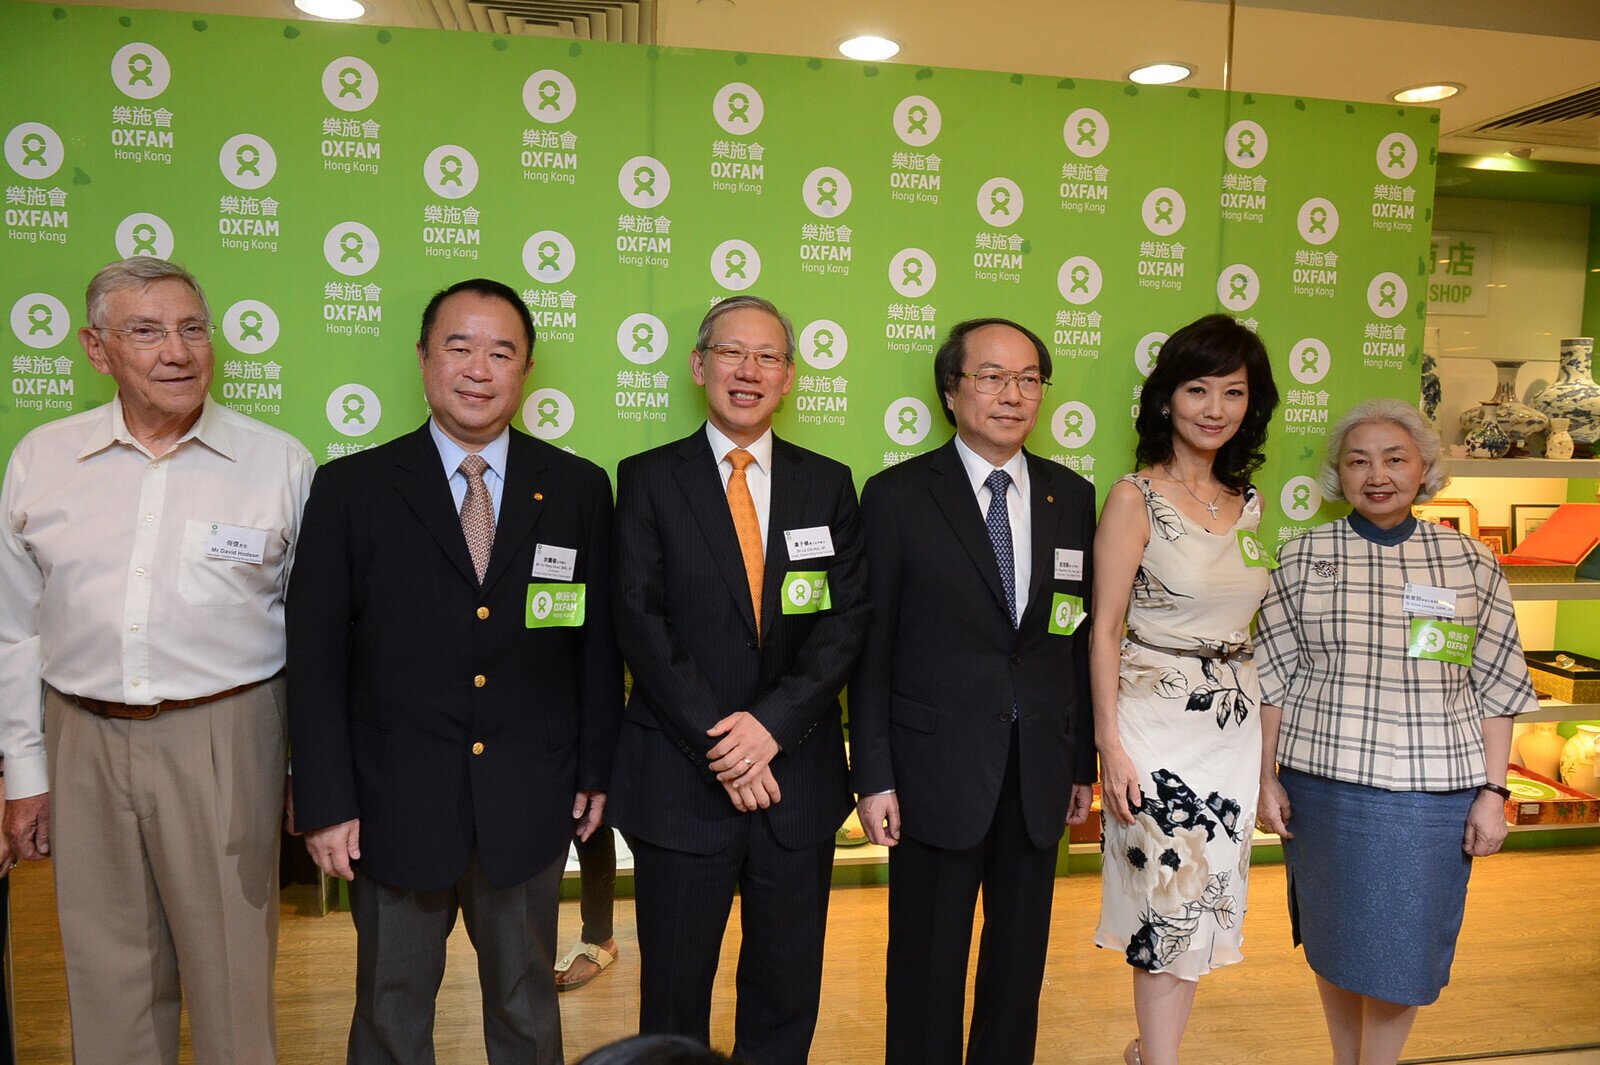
237, 543
808, 543
554, 563
1069, 564
1428, 600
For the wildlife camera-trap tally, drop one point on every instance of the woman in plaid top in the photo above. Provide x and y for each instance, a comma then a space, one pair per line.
1390, 662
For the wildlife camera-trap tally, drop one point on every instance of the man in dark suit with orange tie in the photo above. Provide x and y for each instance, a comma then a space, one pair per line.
972, 736
740, 608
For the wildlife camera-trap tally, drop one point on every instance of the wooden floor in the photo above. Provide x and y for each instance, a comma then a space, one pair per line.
1527, 976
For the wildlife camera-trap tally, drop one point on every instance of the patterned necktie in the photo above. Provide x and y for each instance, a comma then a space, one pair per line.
999, 522
477, 514
748, 526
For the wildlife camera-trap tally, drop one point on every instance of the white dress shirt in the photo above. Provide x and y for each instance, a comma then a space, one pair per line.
758, 475
494, 453
1017, 506
106, 587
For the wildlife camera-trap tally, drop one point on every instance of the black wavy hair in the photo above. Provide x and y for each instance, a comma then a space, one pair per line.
1212, 346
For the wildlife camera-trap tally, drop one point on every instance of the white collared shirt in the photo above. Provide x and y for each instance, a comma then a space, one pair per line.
1017, 507
758, 475
494, 453
106, 587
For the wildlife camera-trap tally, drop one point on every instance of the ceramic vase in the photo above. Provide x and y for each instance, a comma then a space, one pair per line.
1579, 768
1540, 750
1517, 420
1558, 445
1575, 396
1487, 439
1432, 391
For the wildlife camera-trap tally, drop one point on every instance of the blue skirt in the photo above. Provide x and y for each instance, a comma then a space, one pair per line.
1377, 884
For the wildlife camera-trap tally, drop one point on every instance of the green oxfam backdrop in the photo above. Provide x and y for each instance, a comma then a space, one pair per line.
323, 180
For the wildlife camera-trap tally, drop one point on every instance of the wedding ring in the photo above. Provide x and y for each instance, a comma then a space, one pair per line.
749, 761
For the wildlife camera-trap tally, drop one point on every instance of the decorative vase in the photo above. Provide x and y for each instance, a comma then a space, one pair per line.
1575, 396
1517, 420
1487, 439
1432, 392
1558, 445
1579, 768
1540, 750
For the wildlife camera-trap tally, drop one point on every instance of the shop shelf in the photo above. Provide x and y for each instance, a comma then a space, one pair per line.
1566, 590
1556, 468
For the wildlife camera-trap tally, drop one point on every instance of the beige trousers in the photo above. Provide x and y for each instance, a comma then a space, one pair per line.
165, 847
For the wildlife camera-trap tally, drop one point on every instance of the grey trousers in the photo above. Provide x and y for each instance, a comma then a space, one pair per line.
400, 956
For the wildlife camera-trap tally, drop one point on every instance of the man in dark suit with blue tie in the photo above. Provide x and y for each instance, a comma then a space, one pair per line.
454, 688
740, 607
972, 737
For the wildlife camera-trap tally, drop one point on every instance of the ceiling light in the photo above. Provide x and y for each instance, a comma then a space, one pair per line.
1161, 73
332, 9
1426, 94
869, 49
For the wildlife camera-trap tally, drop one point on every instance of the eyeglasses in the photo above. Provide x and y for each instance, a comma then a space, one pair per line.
993, 382
193, 334
733, 355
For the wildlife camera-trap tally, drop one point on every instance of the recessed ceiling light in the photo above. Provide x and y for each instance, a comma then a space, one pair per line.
869, 49
1426, 94
1161, 73
342, 10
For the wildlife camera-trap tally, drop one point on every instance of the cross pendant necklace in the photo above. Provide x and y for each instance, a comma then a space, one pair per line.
1211, 507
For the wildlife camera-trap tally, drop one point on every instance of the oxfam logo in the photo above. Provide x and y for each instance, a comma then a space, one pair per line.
548, 256
353, 410
140, 71
1238, 287
1072, 425
823, 344
644, 181
1064, 615
912, 272
350, 83
1318, 221
1245, 144
549, 96
799, 591
144, 234
1163, 211
917, 121
250, 327
907, 421
34, 150
1000, 202
1396, 156
826, 192
351, 248
642, 338
548, 413
1300, 499
543, 603
1086, 132
247, 161
1079, 280
450, 171
1146, 351
737, 108
1386, 295
735, 265
1309, 361
40, 320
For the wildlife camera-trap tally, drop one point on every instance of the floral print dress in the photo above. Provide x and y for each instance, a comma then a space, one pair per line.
1173, 883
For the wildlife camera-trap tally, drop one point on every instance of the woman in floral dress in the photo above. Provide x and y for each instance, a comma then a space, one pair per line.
1175, 698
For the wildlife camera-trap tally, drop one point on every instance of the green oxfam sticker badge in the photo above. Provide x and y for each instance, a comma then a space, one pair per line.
1441, 641
1254, 551
1066, 614
806, 592
555, 605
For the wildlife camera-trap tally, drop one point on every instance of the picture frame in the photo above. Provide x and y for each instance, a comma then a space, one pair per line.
1496, 538
1526, 517
1458, 514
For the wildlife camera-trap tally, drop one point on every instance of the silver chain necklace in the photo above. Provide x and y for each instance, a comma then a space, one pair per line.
1211, 507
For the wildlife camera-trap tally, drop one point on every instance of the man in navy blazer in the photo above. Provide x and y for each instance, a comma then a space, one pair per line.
740, 608
972, 740
454, 688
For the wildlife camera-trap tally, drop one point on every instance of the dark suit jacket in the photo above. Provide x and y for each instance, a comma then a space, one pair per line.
930, 703
685, 624
388, 629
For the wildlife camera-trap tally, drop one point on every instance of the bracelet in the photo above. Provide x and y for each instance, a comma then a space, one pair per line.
1499, 789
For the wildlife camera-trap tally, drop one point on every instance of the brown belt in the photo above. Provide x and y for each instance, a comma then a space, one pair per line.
129, 712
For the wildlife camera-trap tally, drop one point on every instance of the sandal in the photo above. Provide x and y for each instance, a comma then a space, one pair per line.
1131, 1054
599, 957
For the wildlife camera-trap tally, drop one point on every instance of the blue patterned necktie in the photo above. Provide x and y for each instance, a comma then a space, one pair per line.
999, 522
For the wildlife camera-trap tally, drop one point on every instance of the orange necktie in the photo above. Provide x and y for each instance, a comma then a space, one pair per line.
748, 527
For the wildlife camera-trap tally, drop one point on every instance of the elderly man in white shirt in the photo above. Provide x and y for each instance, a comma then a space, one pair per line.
143, 559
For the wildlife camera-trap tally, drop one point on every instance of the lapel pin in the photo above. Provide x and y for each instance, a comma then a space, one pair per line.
1049, 499
538, 496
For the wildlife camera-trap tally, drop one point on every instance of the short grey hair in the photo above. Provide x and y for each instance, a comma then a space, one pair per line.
1393, 412
734, 303
140, 272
